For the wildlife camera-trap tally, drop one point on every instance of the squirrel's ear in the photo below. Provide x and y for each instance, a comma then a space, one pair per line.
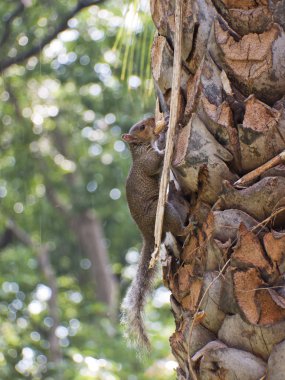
128, 138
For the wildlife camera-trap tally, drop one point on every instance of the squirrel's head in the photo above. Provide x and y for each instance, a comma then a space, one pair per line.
143, 132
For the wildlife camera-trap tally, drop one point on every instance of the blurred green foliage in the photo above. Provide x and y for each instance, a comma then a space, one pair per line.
62, 114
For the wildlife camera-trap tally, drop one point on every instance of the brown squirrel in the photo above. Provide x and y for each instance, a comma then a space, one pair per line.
142, 189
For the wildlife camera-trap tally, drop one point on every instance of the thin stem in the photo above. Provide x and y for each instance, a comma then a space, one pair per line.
176, 78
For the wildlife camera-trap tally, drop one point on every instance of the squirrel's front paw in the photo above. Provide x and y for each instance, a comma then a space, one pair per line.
189, 228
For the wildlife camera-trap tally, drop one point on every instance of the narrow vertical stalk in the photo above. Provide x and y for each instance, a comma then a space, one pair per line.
176, 78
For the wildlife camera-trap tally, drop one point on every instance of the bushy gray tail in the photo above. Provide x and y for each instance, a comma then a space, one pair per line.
133, 304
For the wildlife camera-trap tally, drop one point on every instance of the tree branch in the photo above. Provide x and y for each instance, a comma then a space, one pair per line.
89, 233
49, 274
50, 191
42, 251
60, 142
4, 64
20, 234
13, 100
53, 198
8, 19
277, 160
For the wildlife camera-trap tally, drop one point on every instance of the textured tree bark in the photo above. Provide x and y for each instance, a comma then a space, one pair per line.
227, 284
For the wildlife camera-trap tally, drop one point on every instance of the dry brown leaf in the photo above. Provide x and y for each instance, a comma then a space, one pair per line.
274, 244
248, 251
270, 312
190, 301
246, 284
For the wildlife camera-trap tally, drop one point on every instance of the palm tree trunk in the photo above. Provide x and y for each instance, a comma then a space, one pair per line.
227, 285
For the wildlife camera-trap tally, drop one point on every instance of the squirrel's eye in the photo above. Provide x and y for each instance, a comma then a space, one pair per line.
142, 127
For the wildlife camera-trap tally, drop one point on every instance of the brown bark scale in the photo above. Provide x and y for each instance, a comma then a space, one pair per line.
229, 324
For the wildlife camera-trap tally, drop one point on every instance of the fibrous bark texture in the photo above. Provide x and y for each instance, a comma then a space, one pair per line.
227, 284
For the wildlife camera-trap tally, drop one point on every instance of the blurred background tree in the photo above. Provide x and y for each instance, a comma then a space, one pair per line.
74, 76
